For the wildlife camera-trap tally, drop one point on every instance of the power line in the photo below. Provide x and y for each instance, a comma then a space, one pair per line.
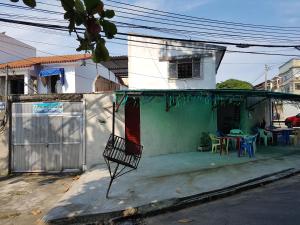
194, 18
207, 48
228, 43
250, 35
234, 34
55, 12
154, 12
72, 47
185, 22
64, 28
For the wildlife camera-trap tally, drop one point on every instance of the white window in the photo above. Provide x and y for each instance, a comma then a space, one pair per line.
297, 86
185, 68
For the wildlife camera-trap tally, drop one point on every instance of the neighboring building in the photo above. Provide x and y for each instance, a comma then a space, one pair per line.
164, 64
287, 81
119, 66
290, 74
12, 49
57, 74
272, 85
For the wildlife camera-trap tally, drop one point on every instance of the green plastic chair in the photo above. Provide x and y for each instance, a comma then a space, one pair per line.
265, 136
215, 143
236, 131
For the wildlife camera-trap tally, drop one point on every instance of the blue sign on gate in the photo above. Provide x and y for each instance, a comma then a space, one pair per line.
48, 108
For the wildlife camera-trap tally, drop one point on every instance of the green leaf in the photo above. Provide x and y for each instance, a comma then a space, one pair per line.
68, 15
71, 25
100, 53
109, 28
109, 13
30, 3
91, 5
79, 6
68, 4
84, 46
79, 18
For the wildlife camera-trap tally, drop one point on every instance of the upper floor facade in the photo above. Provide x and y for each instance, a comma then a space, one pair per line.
164, 64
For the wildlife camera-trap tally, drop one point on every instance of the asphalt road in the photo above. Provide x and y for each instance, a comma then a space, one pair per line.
274, 204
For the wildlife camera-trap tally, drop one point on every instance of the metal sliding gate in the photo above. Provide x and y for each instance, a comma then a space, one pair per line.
47, 136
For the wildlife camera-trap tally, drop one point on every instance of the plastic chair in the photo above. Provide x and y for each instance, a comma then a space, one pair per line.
294, 139
220, 133
247, 145
236, 131
254, 142
215, 143
265, 135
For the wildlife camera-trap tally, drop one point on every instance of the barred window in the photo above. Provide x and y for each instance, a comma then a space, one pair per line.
185, 68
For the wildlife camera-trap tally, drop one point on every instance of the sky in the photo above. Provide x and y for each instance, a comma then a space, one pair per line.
246, 67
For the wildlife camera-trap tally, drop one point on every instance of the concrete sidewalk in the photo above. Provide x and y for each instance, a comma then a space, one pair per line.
166, 177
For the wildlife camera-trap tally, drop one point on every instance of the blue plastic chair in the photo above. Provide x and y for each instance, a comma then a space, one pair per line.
247, 144
220, 133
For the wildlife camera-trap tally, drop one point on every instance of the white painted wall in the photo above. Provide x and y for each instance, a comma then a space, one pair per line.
86, 76
290, 110
12, 49
98, 123
69, 86
146, 71
79, 78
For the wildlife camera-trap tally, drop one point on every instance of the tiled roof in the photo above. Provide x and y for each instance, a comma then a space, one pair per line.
45, 60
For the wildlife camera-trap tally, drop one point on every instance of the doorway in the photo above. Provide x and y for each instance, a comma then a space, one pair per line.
132, 126
17, 86
229, 117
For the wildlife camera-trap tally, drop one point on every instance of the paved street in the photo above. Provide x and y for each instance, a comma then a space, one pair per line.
164, 177
24, 199
275, 204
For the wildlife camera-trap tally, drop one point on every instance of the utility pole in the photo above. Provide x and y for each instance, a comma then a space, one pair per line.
267, 68
4, 119
6, 85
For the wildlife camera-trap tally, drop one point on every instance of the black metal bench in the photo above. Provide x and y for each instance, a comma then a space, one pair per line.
121, 157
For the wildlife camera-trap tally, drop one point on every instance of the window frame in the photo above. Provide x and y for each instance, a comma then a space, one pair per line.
193, 61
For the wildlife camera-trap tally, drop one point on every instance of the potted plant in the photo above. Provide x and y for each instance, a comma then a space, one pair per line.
204, 142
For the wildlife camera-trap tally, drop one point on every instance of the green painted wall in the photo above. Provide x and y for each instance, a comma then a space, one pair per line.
178, 130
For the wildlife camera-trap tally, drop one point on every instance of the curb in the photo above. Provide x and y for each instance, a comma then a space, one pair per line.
175, 204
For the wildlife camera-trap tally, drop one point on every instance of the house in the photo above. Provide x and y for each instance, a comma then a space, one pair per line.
287, 81
57, 74
165, 64
119, 66
290, 74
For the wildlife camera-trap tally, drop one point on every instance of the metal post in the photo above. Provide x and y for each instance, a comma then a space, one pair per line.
267, 68
6, 86
113, 122
113, 176
271, 112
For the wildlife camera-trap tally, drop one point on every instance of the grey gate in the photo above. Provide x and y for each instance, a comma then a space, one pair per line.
47, 136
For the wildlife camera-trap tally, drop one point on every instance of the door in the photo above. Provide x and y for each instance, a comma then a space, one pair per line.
132, 126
